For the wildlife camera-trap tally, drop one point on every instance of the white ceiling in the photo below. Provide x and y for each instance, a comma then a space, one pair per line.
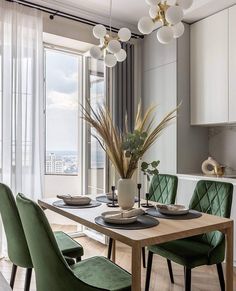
128, 12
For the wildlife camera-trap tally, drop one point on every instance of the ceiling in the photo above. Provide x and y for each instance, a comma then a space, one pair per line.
128, 12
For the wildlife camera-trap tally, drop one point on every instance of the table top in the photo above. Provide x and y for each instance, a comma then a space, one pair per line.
167, 230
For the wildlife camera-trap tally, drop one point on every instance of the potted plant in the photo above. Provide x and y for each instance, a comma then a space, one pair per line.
126, 149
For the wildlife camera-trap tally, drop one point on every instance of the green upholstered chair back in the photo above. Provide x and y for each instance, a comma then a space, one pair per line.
163, 189
18, 251
51, 269
213, 198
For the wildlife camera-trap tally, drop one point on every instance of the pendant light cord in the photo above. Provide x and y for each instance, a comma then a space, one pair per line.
110, 14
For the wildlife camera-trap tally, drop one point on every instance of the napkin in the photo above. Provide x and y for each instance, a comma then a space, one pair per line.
127, 214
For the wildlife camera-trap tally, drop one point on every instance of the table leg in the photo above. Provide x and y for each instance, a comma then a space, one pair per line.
136, 268
229, 257
114, 251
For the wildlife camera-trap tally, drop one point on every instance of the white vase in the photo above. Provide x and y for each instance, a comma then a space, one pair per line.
126, 193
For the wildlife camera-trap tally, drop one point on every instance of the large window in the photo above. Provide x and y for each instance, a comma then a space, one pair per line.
97, 97
63, 95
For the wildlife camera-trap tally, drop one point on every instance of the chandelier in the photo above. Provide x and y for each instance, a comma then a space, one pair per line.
110, 45
167, 15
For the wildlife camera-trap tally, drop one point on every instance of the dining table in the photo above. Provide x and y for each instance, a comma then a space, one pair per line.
166, 230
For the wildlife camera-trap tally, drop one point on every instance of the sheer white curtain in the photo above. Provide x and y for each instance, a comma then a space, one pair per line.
21, 99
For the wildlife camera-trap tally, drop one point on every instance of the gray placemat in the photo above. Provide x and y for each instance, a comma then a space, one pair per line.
142, 222
61, 204
191, 215
104, 199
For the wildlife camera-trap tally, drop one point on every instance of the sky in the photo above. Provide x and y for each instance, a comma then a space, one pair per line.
62, 87
62, 100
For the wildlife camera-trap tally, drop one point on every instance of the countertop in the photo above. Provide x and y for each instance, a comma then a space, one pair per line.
199, 176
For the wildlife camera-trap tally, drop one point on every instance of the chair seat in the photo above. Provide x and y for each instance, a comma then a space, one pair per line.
68, 246
187, 252
101, 273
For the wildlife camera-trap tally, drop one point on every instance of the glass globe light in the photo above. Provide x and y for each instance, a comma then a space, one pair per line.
178, 29
114, 46
99, 31
110, 60
95, 52
153, 11
165, 34
153, 2
174, 14
121, 55
145, 25
124, 34
185, 4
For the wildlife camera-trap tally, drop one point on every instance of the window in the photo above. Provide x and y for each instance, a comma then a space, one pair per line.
97, 97
63, 96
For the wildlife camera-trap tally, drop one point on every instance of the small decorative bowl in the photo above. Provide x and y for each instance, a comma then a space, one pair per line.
75, 200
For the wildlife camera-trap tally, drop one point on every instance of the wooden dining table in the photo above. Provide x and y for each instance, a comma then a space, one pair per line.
167, 230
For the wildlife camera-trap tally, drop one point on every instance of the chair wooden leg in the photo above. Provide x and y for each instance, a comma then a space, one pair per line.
170, 271
28, 279
109, 248
187, 279
144, 257
149, 270
13, 275
221, 276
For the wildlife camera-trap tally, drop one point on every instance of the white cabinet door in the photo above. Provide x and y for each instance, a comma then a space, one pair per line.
209, 70
232, 64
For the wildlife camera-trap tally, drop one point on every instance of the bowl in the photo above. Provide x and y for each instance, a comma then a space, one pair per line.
174, 209
77, 200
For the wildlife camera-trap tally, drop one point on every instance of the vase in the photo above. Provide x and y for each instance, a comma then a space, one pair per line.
126, 193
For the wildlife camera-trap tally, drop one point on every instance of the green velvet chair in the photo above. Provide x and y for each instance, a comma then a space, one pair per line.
18, 251
163, 189
208, 249
51, 269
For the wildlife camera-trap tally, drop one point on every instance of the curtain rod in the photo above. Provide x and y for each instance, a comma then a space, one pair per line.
54, 12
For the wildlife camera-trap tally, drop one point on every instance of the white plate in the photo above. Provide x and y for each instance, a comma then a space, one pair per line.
109, 196
182, 210
117, 220
75, 200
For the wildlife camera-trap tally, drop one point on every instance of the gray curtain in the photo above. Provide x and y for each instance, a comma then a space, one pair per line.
123, 90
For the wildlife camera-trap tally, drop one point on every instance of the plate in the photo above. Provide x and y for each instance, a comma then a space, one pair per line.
107, 218
181, 210
109, 196
75, 200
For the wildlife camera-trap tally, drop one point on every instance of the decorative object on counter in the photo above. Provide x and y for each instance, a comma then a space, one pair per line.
113, 202
139, 186
147, 204
110, 45
167, 17
209, 165
219, 170
125, 149
149, 170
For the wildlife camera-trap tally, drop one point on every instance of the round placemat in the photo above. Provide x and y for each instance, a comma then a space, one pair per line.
142, 222
104, 199
191, 215
61, 204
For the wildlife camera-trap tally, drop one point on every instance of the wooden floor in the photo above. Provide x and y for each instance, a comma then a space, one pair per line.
203, 278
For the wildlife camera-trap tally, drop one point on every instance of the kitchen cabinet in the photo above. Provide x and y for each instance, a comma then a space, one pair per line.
232, 64
209, 45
